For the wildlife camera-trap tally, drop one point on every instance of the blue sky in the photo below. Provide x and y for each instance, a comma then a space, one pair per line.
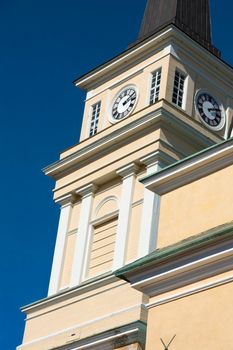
45, 45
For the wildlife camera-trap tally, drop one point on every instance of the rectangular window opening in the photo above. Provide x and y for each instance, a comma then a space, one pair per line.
94, 122
155, 86
179, 89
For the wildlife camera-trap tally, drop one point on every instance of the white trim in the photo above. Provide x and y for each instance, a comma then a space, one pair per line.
191, 169
149, 93
59, 252
102, 341
111, 65
87, 194
125, 209
190, 291
151, 205
159, 55
148, 45
92, 285
89, 119
185, 89
150, 212
155, 114
102, 202
185, 273
149, 223
84, 324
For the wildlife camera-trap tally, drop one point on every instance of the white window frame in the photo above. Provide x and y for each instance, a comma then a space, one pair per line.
179, 90
155, 90
108, 217
94, 118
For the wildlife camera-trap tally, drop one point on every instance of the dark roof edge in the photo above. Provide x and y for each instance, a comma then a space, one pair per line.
138, 43
201, 240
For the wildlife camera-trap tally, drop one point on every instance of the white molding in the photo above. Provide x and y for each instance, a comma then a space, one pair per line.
105, 343
156, 114
103, 219
164, 37
160, 54
128, 170
151, 205
63, 227
87, 190
82, 325
65, 200
190, 291
191, 169
102, 202
156, 161
186, 273
119, 60
87, 194
149, 223
88, 286
128, 173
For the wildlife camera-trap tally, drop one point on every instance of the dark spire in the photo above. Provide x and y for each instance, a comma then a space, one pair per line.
191, 16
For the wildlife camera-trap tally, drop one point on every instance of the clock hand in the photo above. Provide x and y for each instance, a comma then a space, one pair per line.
128, 99
214, 109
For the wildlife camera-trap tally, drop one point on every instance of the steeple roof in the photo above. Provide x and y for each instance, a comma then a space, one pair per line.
191, 16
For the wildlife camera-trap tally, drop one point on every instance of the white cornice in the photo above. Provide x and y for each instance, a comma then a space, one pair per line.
128, 170
71, 293
194, 270
138, 123
164, 37
86, 190
109, 67
191, 169
190, 291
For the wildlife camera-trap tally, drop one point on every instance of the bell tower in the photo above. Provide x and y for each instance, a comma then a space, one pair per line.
167, 97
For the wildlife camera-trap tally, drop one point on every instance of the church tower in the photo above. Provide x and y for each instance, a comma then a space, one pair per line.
165, 99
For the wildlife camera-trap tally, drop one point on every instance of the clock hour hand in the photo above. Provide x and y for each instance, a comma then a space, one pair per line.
126, 101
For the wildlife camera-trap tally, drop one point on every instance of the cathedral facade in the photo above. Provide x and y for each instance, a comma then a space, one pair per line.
144, 250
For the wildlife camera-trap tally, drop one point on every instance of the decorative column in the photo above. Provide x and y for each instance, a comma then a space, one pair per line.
87, 194
151, 205
66, 203
128, 174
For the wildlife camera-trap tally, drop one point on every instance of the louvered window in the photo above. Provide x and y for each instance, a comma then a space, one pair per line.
102, 247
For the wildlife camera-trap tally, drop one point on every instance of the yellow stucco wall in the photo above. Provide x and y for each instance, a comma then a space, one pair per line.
202, 320
93, 311
196, 207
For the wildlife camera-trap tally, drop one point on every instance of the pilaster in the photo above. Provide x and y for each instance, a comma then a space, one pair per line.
128, 174
87, 194
151, 205
66, 203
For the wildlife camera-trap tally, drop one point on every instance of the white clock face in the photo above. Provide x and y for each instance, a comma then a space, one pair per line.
124, 103
211, 113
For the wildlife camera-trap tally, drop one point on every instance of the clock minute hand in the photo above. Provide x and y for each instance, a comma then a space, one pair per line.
214, 109
126, 101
